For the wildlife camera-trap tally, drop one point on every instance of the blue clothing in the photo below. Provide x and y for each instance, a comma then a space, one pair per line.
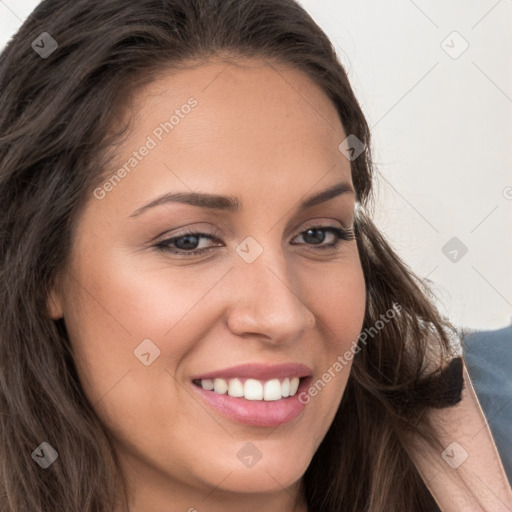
488, 358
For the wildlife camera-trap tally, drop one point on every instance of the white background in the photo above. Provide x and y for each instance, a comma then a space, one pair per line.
442, 135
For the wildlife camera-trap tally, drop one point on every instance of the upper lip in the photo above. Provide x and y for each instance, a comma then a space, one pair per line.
258, 372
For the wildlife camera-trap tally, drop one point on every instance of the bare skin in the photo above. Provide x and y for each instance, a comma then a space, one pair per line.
267, 135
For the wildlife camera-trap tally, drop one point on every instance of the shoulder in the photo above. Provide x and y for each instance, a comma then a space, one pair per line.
463, 470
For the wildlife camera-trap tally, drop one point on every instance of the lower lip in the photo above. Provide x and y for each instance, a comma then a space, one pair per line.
258, 413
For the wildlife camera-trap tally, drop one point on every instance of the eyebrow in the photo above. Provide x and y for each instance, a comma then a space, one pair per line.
233, 204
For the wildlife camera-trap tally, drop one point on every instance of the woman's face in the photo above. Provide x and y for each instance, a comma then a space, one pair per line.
153, 328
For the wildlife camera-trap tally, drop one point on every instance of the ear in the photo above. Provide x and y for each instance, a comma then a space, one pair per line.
54, 305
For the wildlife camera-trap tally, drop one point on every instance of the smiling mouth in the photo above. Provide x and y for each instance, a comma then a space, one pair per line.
252, 389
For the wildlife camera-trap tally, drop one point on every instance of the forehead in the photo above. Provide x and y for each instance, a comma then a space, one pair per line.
251, 97
251, 123
232, 79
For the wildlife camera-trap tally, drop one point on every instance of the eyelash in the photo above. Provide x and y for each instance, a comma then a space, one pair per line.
341, 233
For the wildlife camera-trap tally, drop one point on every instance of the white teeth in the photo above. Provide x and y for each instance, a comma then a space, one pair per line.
207, 384
272, 390
220, 386
253, 389
285, 387
294, 385
235, 388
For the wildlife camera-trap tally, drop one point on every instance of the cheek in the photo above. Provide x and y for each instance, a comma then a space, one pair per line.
117, 313
121, 319
338, 296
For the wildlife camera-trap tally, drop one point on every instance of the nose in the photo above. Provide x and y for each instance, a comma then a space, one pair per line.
267, 301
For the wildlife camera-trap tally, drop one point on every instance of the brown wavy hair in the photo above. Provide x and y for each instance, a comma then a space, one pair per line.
56, 125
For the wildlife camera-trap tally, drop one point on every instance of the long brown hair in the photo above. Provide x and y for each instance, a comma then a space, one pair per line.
56, 117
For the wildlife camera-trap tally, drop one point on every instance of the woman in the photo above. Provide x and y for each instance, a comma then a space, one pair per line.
172, 336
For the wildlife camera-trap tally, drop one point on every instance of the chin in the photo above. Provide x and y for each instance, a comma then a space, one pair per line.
265, 476
261, 481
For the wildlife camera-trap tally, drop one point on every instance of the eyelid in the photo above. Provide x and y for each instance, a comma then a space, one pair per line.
325, 224
211, 232
214, 232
